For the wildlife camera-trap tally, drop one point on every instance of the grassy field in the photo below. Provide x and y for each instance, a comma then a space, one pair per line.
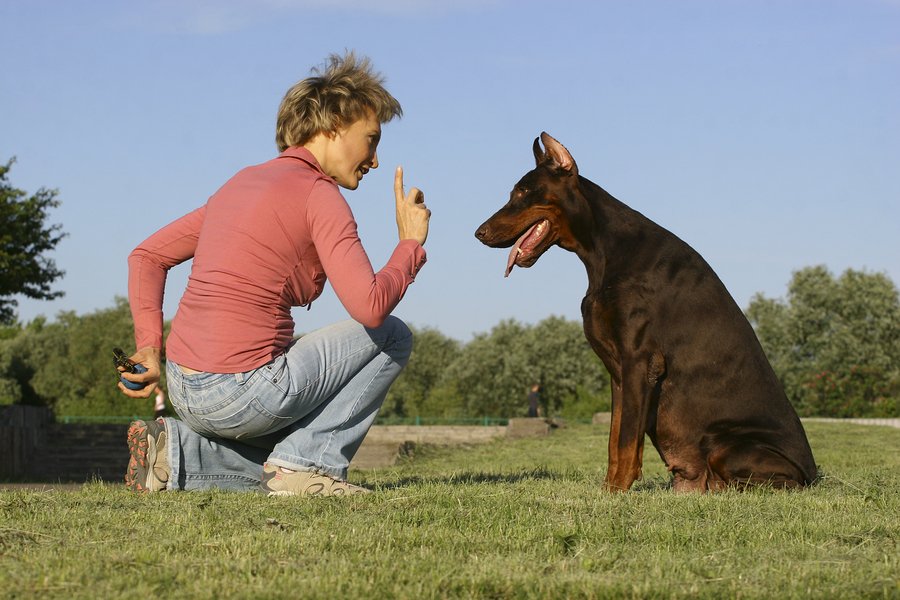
512, 519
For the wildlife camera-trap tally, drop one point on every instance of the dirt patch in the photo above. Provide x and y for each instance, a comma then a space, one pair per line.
386, 443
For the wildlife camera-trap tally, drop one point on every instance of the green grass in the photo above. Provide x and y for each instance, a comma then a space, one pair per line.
515, 518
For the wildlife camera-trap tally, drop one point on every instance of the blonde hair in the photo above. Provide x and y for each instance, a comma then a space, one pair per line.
339, 93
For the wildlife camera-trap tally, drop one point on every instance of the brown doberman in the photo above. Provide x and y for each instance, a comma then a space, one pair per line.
685, 364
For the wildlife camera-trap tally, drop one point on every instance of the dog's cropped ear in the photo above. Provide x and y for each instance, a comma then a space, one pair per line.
539, 155
558, 154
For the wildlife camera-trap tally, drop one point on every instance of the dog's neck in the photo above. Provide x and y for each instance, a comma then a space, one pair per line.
610, 232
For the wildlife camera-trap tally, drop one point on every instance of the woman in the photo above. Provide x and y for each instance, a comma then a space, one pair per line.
258, 408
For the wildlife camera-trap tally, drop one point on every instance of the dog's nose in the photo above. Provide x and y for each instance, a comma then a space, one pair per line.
481, 232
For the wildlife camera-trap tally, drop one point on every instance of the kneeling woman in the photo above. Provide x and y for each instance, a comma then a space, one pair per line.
258, 408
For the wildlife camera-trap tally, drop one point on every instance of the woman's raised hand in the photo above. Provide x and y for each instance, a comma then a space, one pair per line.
412, 214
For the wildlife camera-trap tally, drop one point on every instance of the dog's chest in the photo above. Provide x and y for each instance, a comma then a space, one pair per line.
599, 332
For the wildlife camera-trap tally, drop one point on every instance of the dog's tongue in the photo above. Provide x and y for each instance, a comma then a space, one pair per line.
514, 253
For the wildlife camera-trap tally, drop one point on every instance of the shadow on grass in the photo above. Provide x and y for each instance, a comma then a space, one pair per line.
478, 477
654, 484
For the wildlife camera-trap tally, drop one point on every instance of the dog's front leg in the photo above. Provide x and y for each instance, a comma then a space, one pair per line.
615, 426
631, 401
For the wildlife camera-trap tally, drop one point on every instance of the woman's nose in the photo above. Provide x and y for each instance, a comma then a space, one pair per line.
375, 161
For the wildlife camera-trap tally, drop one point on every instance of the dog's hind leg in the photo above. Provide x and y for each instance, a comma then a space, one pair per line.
745, 462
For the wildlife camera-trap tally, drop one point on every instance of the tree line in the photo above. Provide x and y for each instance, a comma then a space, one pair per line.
834, 342
67, 365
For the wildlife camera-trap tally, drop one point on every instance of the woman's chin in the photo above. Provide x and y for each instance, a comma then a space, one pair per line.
349, 184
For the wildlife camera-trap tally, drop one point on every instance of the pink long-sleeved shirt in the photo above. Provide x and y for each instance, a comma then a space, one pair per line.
262, 244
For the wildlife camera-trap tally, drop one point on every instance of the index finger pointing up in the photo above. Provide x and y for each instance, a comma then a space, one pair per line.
398, 184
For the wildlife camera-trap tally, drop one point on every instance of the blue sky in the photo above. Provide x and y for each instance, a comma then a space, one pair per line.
766, 134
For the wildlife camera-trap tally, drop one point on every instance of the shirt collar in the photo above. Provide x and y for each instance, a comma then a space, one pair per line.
305, 155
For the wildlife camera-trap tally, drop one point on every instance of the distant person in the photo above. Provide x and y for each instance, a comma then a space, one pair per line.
159, 408
260, 410
534, 401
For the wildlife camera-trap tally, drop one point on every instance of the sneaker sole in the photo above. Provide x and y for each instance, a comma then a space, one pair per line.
141, 445
138, 446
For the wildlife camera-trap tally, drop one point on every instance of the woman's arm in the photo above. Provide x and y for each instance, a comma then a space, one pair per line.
369, 297
148, 267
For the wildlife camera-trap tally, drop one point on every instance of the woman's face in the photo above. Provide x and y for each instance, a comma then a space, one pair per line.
352, 151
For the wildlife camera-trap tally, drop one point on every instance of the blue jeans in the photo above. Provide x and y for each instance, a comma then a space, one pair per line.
308, 409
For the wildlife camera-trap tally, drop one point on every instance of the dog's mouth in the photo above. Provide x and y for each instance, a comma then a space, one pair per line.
523, 252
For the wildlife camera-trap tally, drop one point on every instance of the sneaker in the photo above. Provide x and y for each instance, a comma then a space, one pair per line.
148, 467
278, 481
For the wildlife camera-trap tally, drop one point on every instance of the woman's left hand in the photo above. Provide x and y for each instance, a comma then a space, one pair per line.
150, 358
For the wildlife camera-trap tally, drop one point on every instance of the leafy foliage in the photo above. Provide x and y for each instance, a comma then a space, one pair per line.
432, 353
67, 365
835, 342
493, 372
20, 358
24, 238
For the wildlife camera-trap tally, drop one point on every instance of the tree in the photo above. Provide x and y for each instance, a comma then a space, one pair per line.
21, 356
432, 353
494, 371
24, 238
574, 381
491, 374
835, 342
67, 365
